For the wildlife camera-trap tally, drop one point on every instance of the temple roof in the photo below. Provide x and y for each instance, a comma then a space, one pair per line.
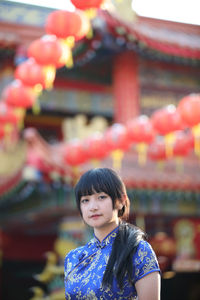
172, 38
152, 38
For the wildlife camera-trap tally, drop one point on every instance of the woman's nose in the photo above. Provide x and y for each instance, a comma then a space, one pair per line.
93, 205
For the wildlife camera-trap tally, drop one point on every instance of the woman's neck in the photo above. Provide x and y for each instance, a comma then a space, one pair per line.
102, 232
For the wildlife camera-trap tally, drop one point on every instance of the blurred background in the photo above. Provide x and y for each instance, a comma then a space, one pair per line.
86, 84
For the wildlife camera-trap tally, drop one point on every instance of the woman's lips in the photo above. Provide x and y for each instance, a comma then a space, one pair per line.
95, 216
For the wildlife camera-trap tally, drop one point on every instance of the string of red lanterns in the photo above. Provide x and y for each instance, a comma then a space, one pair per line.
52, 51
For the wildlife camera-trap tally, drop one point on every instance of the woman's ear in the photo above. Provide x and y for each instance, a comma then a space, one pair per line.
120, 203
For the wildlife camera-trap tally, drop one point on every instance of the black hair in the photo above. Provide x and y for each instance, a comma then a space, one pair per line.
120, 262
103, 180
128, 237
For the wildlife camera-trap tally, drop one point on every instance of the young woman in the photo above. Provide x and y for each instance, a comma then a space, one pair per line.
118, 263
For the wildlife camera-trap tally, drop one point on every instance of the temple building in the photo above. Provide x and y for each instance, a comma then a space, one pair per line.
129, 66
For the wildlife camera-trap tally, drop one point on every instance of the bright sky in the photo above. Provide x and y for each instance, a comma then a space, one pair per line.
185, 11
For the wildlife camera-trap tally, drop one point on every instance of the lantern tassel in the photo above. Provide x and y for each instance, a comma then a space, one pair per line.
66, 52
20, 113
70, 63
37, 90
75, 173
70, 41
196, 133
142, 151
36, 107
117, 156
50, 73
91, 13
169, 142
89, 35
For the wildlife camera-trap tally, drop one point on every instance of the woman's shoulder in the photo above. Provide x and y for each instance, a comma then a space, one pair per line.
144, 249
145, 246
144, 260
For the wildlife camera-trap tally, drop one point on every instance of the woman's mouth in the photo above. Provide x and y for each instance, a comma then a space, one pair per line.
95, 216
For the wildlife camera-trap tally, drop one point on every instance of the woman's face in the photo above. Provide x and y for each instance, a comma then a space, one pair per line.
97, 210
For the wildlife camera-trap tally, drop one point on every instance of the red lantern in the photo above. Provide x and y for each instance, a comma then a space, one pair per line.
82, 4
116, 137
8, 121
156, 151
30, 73
183, 144
7, 114
46, 50
18, 95
95, 147
141, 132
181, 148
75, 153
189, 108
117, 141
63, 24
166, 121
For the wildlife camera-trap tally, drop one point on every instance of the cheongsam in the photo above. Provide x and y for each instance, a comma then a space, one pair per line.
85, 266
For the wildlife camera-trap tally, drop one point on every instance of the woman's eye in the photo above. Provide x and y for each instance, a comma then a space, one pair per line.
84, 200
102, 197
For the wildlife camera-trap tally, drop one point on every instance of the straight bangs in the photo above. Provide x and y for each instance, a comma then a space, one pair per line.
97, 181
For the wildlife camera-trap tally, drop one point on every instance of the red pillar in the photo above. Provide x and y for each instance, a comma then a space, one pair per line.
126, 87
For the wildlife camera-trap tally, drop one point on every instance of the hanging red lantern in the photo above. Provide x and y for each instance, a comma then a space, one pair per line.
7, 114
82, 4
182, 144
166, 121
30, 73
181, 148
20, 97
141, 132
75, 153
95, 147
157, 152
46, 50
117, 141
8, 120
17, 94
189, 109
116, 137
63, 24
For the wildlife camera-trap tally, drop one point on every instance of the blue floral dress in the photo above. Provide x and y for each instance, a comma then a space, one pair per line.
85, 266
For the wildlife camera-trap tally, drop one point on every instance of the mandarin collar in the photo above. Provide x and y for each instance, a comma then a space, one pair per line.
107, 240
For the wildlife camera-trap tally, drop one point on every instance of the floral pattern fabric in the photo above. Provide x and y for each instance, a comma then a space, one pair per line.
85, 266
